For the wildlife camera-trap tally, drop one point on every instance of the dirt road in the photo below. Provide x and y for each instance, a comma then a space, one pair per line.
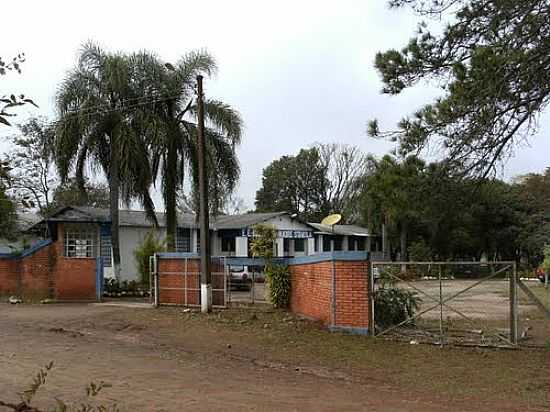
168, 360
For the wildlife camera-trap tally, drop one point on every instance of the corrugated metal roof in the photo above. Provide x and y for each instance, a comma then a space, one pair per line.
349, 230
138, 218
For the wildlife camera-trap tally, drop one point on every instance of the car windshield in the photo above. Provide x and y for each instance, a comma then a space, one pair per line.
236, 268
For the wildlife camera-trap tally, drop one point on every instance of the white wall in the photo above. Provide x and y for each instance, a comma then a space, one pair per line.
130, 239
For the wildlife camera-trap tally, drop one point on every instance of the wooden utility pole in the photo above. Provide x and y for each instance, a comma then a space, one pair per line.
206, 287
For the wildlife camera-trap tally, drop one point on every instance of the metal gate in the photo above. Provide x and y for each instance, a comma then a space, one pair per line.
175, 279
468, 303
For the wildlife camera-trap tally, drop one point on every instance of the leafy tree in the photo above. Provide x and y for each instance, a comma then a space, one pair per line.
533, 196
491, 63
326, 178
295, 184
174, 141
392, 197
8, 216
9, 101
32, 177
103, 121
70, 194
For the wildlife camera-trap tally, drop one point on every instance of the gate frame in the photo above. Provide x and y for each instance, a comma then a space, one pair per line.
513, 284
155, 274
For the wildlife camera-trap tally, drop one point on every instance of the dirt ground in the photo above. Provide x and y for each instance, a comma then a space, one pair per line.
169, 359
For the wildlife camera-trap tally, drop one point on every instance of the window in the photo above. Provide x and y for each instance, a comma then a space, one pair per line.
326, 243
105, 245
80, 242
337, 242
183, 240
299, 245
316, 246
286, 245
228, 244
360, 243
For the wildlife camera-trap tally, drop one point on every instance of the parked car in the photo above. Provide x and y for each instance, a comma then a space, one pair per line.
540, 275
239, 278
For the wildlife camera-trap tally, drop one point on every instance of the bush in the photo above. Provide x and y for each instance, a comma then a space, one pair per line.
278, 278
150, 245
393, 306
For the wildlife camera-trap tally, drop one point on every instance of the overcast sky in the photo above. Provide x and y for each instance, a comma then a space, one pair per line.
299, 72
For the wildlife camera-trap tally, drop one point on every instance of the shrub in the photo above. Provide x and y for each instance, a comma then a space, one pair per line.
150, 245
394, 305
263, 242
278, 278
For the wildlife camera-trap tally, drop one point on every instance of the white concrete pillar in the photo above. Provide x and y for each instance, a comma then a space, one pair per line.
310, 247
280, 242
241, 246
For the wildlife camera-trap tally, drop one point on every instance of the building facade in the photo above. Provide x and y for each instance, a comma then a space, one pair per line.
88, 234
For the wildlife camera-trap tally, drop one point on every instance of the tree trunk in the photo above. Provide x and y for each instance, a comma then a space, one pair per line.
114, 189
170, 186
403, 246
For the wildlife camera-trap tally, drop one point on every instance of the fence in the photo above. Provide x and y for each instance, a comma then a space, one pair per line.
469, 303
175, 280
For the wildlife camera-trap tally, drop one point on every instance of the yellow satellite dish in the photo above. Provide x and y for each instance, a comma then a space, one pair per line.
331, 220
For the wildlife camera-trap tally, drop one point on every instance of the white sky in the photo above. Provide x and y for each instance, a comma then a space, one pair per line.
298, 71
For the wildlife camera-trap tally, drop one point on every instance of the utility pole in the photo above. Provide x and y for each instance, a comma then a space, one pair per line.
206, 287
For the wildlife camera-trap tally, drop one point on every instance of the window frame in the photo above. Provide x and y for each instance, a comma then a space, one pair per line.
82, 237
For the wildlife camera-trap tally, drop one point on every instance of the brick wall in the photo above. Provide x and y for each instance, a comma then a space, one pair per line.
46, 273
342, 303
174, 285
352, 306
9, 272
311, 290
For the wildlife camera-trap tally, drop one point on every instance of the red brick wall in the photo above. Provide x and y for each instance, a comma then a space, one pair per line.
172, 282
9, 272
311, 293
74, 278
352, 308
35, 272
311, 290
46, 273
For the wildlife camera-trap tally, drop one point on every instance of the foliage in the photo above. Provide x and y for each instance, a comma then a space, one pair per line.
172, 138
546, 261
103, 120
454, 217
114, 288
392, 197
419, 251
8, 216
490, 61
278, 278
314, 183
11, 101
70, 194
39, 380
32, 179
150, 245
393, 306
263, 242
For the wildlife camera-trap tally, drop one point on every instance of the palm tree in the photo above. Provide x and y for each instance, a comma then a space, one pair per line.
103, 122
174, 142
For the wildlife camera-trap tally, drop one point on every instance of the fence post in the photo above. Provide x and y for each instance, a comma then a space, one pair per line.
370, 270
156, 282
513, 306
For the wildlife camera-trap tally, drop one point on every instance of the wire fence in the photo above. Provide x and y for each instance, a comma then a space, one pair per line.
464, 303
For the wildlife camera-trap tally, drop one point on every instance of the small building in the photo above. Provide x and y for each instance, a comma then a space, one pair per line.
87, 233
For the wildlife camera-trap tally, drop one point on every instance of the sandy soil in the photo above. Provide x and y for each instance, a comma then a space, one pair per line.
168, 360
